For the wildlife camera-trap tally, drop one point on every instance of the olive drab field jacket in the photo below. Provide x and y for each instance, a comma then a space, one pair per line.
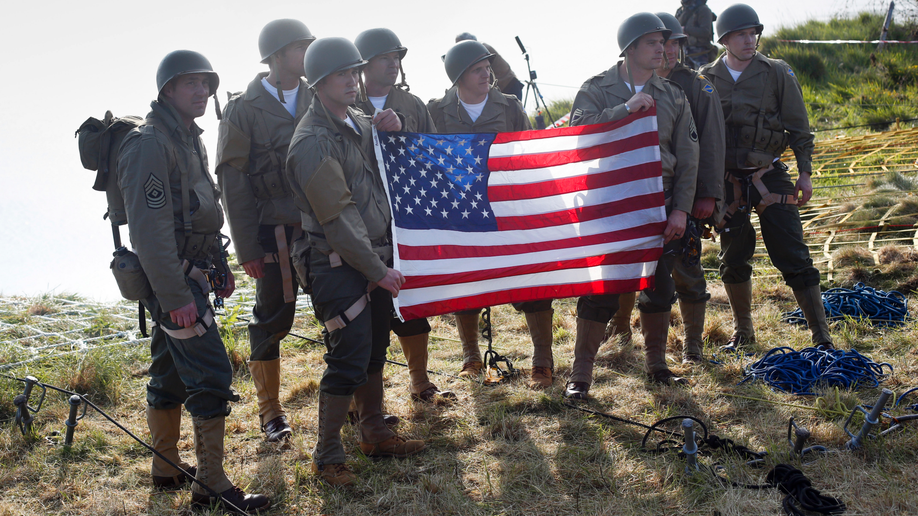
602, 98
501, 113
764, 113
709, 119
251, 156
153, 159
335, 181
413, 112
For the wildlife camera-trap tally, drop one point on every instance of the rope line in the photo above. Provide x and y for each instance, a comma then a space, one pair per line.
799, 372
862, 303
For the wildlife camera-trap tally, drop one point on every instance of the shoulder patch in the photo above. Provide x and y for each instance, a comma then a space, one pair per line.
693, 132
708, 88
790, 72
155, 193
575, 116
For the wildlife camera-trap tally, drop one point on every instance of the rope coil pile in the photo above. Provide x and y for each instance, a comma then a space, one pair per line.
799, 372
861, 302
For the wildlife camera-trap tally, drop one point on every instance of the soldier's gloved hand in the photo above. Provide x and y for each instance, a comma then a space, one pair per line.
230, 285
804, 189
255, 268
392, 281
185, 316
675, 226
387, 121
703, 208
640, 102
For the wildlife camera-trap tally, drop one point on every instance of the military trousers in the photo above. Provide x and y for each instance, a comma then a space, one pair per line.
195, 372
690, 283
782, 233
359, 347
272, 317
660, 298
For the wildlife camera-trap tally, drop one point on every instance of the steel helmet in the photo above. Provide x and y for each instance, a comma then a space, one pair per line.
184, 62
329, 55
461, 56
374, 42
737, 17
673, 25
465, 36
638, 25
280, 33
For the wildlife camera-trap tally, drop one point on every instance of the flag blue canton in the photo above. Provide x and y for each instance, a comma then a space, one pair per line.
439, 181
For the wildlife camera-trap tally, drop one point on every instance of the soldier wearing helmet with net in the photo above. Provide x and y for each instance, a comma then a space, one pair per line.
764, 114
335, 180
251, 155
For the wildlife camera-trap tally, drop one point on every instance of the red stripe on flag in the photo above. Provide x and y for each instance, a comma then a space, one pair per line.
621, 258
565, 185
446, 252
575, 215
556, 158
525, 294
573, 131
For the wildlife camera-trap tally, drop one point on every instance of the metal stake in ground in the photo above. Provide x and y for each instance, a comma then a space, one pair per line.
871, 420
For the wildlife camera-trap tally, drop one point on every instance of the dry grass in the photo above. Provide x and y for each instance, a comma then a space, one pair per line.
495, 450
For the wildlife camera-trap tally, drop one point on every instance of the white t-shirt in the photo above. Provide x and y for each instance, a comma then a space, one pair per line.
474, 110
378, 102
637, 89
289, 95
733, 73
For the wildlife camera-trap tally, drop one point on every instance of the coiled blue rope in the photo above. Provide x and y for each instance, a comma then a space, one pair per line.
799, 372
862, 302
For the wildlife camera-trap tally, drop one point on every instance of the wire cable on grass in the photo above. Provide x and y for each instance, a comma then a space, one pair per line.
83, 398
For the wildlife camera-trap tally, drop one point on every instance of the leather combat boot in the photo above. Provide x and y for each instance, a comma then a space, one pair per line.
467, 326
208, 447
620, 326
740, 296
376, 439
590, 335
810, 302
414, 348
542, 361
328, 457
165, 429
693, 325
655, 328
266, 376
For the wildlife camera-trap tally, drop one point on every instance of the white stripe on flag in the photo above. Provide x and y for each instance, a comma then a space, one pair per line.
411, 297
582, 199
566, 143
579, 168
435, 237
461, 265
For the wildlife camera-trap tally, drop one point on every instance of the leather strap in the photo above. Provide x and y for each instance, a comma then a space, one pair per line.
348, 315
199, 329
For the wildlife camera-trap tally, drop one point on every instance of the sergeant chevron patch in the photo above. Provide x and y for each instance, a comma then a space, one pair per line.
693, 133
155, 193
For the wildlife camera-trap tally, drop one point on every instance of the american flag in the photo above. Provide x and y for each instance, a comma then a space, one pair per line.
488, 219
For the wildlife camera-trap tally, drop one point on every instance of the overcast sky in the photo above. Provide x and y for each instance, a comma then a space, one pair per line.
66, 61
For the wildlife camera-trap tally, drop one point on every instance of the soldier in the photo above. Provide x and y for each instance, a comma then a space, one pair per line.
629, 86
506, 79
709, 194
697, 22
251, 156
473, 105
384, 52
174, 219
764, 112
346, 217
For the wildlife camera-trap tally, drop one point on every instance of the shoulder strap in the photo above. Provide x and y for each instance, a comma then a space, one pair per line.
183, 170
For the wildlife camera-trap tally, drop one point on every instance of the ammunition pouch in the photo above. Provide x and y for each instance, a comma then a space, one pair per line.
757, 139
130, 276
271, 184
196, 247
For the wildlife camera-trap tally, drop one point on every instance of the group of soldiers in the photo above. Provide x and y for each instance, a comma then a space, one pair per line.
300, 186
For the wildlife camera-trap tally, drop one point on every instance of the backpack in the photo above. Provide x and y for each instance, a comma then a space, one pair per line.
99, 142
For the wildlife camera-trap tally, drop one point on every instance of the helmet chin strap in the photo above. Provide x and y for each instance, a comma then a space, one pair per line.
738, 58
